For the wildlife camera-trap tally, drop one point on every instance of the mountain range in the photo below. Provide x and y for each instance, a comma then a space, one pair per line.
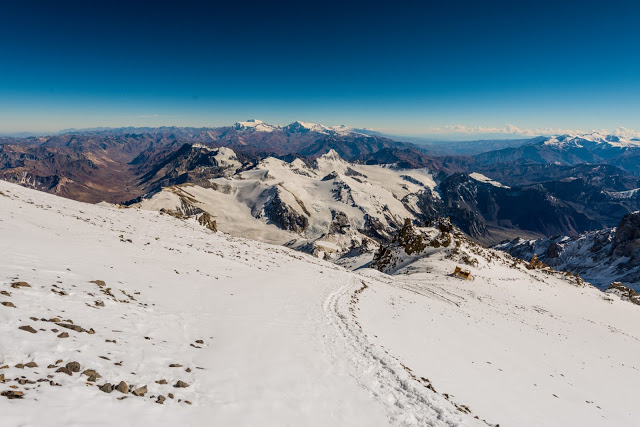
336, 190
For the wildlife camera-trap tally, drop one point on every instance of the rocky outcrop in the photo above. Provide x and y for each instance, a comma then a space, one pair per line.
626, 242
285, 216
624, 292
407, 241
598, 256
205, 220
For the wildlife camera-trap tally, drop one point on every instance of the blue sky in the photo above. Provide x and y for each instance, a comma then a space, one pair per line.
402, 67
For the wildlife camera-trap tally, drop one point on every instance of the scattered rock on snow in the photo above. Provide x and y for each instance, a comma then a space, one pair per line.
28, 329
181, 384
140, 391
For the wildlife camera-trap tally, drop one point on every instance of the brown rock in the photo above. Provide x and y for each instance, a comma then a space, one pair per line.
107, 388
161, 399
175, 365
91, 373
140, 391
31, 365
181, 384
28, 329
100, 283
71, 326
161, 382
20, 285
199, 342
1, 377
123, 387
19, 366
5, 293
73, 366
8, 304
65, 371
63, 335
10, 394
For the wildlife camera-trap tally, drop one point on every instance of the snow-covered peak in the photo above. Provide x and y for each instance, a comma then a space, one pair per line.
255, 125
299, 126
593, 139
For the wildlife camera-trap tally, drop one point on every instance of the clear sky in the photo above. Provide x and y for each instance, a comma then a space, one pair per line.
401, 67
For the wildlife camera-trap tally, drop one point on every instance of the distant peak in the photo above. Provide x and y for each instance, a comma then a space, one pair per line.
331, 155
255, 125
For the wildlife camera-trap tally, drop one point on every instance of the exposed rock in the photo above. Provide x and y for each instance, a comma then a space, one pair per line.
72, 327
123, 387
205, 220
65, 371
140, 391
329, 177
8, 304
31, 365
28, 329
536, 263
554, 250
163, 381
175, 365
91, 373
161, 399
627, 239
11, 394
284, 216
624, 292
199, 342
17, 285
74, 366
181, 384
107, 388
100, 283
63, 335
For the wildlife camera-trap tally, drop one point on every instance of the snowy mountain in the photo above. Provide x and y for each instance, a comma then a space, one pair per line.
601, 257
136, 316
329, 207
572, 149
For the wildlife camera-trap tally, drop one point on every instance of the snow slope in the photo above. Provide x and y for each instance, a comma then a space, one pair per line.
289, 339
278, 346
